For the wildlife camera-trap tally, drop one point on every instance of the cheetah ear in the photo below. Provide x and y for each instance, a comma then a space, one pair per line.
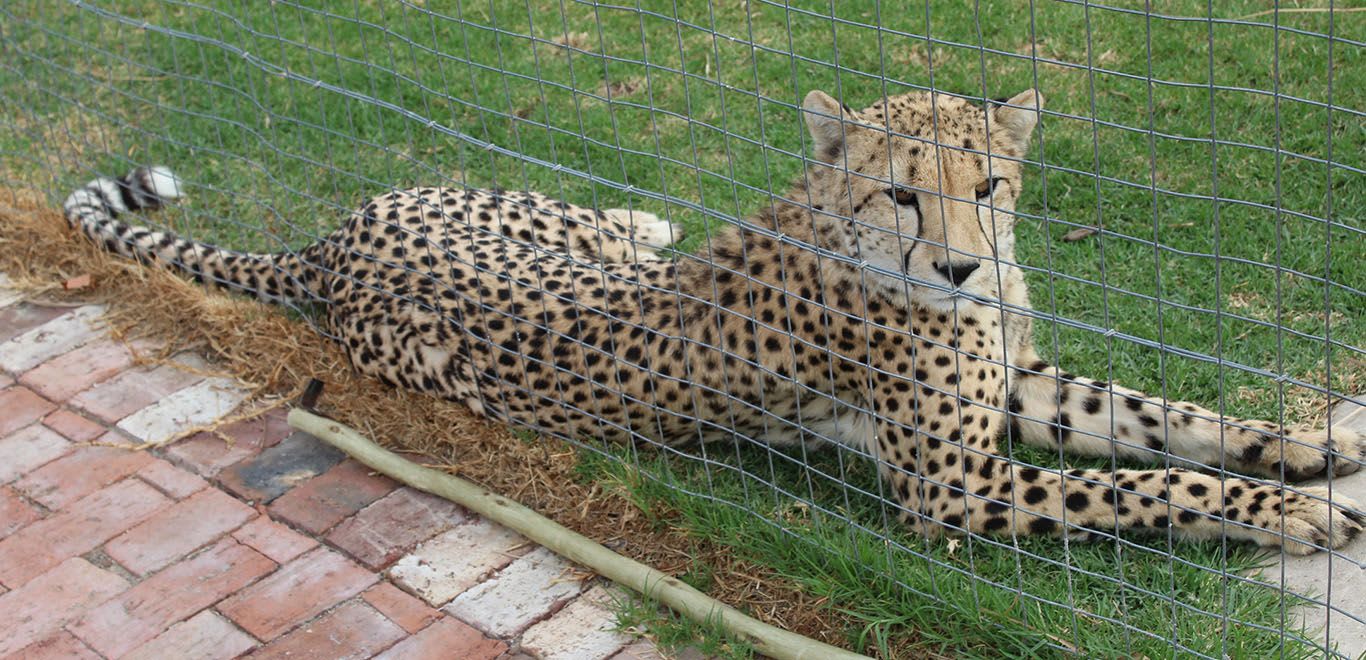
828, 122
1014, 120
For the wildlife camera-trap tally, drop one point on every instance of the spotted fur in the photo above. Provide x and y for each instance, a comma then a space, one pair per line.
877, 304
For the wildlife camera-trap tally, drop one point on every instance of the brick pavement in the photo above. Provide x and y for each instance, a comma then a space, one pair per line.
268, 545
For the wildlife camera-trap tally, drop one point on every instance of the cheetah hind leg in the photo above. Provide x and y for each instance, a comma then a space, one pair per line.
647, 229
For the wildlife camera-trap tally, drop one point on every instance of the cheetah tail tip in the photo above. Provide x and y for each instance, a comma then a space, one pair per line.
163, 183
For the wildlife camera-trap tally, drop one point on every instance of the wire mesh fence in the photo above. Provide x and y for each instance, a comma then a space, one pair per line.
1185, 218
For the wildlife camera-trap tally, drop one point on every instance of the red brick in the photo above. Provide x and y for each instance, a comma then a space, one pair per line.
82, 527
447, 638
204, 635
15, 320
178, 531
354, 630
296, 593
134, 390
143, 612
14, 512
73, 426
208, 453
273, 539
29, 448
171, 480
326, 499
80, 473
19, 407
49, 601
82, 281
401, 608
389, 528
61, 645
62, 377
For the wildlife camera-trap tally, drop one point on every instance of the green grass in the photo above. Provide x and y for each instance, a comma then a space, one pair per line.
913, 596
703, 113
670, 630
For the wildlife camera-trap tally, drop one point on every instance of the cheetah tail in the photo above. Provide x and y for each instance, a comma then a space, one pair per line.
94, 208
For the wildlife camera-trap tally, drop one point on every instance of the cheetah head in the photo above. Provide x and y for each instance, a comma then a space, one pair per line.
905, 186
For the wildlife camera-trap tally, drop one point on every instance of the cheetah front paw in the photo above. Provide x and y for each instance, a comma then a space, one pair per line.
647, 228
1310, 454
1307, 522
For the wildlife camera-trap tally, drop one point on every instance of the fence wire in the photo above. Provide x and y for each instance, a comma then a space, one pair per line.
1189, 227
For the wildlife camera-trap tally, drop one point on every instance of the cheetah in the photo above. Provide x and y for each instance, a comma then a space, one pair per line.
877, 304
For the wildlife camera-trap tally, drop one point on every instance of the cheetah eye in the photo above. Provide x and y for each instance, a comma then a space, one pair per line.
987, 188
904, 197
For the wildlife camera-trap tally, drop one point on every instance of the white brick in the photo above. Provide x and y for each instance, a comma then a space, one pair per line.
585, 629
444, 567
196, 405
645, 649
525, 591
1334, 574
50, 339
1350, 415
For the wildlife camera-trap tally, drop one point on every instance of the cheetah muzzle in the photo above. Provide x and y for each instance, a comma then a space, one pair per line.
877, 304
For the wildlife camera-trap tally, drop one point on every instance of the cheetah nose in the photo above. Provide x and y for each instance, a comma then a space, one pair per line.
957, 273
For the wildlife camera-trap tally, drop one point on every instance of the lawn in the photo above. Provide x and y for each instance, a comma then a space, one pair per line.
282, 115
